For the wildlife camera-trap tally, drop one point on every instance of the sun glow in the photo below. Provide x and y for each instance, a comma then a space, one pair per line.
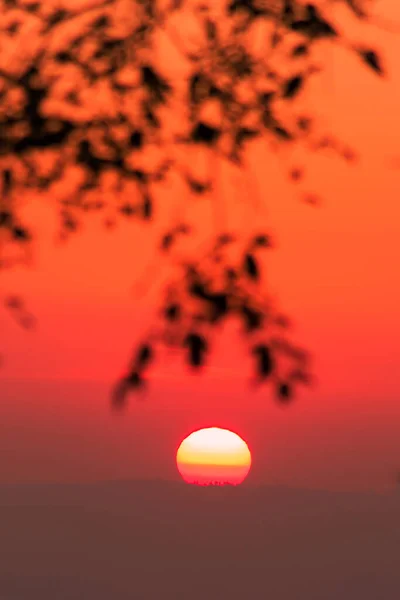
213, 456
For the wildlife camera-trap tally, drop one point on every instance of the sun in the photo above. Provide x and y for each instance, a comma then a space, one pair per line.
213, 456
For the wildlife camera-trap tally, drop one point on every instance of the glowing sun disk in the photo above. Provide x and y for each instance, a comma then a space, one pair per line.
213, 455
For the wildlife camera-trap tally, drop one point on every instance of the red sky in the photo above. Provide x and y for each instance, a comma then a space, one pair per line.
335, 272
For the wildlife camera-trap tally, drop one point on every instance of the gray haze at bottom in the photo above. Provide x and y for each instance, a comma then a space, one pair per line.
170, 541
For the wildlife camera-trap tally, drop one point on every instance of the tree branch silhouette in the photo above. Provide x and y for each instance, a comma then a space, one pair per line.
90, 96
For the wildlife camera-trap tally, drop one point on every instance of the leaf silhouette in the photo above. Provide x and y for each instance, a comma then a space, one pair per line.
158, 86
282, 133
172, 312
144, 356
198, 187
373, 60
265, 363
262, 241
293, 86
14, 303
219, 306
314, 25
205, 134
128, 210
130, 383
357, 8
147, 207
211, 30
300, 50
284, 393
224, 239
296, 174
136, 139
20, 234
231, 274
199, 290
197, 348
252, 318
167, 241
244, 134
7, 182
251, 267
199, 88
6, 218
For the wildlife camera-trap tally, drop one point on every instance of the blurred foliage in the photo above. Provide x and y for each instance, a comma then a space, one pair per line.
96, 115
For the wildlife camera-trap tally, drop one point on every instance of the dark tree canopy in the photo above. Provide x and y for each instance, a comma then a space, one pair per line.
115, 95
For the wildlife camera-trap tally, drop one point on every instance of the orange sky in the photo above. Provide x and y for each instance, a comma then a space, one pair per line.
335, 272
